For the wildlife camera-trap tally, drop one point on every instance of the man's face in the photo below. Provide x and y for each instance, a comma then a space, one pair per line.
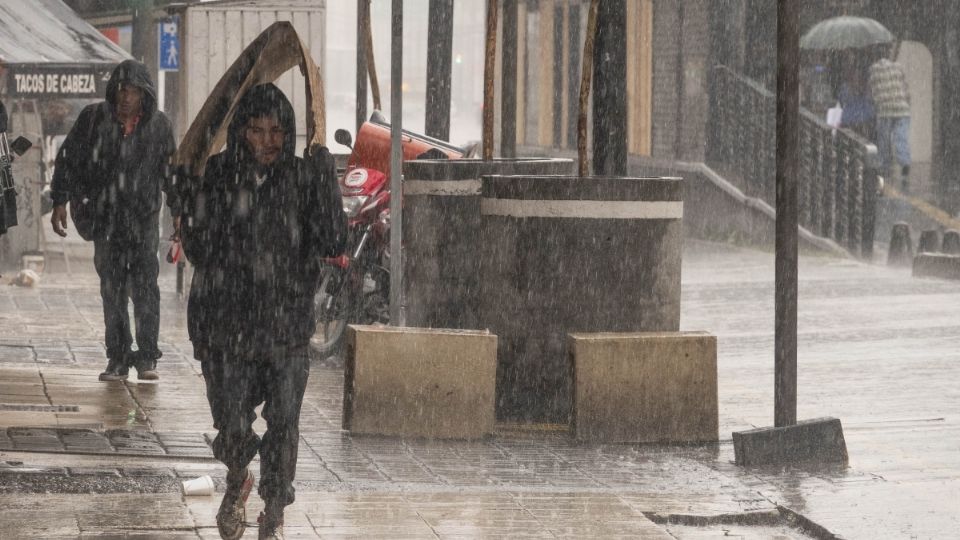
129, 99
264, 136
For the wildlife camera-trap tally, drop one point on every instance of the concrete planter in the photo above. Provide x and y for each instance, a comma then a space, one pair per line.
415, 382
569, 254
441, 234
645, 387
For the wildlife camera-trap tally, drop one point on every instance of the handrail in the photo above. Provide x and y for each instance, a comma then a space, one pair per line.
838, 188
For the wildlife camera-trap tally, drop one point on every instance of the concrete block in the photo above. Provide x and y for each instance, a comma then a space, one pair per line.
645, 387
951, 242
936, 265
811, 441
901, 245
414, 382
929, 241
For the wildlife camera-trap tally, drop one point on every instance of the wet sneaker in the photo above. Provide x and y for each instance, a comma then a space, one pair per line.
233, 511
146, 365
117, 370
148, 374
271, 525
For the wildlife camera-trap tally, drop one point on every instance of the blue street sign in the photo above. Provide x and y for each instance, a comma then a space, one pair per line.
169, 44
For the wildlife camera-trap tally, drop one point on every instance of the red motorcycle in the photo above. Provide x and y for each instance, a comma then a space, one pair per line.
355, 287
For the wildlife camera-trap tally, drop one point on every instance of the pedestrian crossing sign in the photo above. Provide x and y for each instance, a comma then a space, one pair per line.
169, 37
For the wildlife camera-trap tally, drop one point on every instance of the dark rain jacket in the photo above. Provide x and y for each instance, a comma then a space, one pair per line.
122, 176
257, 249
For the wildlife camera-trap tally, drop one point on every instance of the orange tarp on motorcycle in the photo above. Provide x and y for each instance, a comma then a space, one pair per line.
270, 55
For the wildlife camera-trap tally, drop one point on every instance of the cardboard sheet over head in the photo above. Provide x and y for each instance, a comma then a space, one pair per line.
276, 50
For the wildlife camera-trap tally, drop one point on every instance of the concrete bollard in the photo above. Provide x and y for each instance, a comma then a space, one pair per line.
951, 242
441, 235
815, 442
649, 387
936, 265
415, 382
572, 254
929, 241
901, 245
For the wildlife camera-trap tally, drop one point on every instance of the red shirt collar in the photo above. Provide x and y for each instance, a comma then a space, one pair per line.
130, 125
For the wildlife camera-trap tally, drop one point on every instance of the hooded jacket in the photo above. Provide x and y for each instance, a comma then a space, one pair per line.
257, 247
123, 176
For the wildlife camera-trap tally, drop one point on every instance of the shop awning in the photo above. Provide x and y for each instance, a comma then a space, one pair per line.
48, 50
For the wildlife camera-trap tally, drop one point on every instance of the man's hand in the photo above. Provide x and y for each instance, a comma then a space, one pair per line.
59, 219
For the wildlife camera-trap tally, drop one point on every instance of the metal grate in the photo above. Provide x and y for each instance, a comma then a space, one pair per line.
19, 407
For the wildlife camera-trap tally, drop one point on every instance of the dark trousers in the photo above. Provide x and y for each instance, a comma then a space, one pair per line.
236, 385
128, 269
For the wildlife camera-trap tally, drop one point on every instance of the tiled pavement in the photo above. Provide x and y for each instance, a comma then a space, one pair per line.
877, 350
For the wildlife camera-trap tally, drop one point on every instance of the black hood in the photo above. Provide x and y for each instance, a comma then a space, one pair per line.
135, 73
261, 100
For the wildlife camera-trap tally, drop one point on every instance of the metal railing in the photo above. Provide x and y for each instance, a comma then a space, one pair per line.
838, 168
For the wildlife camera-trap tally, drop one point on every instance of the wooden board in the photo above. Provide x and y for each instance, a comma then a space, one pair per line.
639, 76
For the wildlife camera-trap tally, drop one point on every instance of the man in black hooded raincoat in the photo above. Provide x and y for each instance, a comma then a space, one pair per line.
256, 227
112, 167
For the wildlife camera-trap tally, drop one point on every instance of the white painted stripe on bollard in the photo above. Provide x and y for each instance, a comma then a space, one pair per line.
582, 209
442, 187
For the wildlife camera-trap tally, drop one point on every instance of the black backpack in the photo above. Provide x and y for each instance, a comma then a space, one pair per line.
84, 213
86, 203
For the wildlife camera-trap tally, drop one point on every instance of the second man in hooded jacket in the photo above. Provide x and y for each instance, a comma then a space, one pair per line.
112, 168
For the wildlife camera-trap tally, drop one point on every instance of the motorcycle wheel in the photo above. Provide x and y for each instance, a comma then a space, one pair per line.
331, 307
376, 297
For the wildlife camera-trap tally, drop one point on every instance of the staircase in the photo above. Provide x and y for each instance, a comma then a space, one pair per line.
838, 185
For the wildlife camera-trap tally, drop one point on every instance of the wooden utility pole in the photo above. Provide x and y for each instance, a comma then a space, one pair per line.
585, 74
489, 65
371, 63
363, 12
610, 93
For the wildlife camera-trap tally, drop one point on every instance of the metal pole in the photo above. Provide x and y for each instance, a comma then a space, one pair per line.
397, 315
143, 38
788, 120
362, 7
508, 81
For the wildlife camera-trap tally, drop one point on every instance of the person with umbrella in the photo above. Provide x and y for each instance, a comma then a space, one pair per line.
853, 95
886, 80
891, 94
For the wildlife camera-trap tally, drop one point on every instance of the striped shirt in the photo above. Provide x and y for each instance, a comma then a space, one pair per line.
889, 87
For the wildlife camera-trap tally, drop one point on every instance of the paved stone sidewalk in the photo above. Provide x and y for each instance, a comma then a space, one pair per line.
388, 515
110, 442
878, 349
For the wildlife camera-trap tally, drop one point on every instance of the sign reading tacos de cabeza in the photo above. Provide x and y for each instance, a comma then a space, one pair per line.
69, 81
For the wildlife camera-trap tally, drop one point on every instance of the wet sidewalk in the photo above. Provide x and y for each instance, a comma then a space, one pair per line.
878, 349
